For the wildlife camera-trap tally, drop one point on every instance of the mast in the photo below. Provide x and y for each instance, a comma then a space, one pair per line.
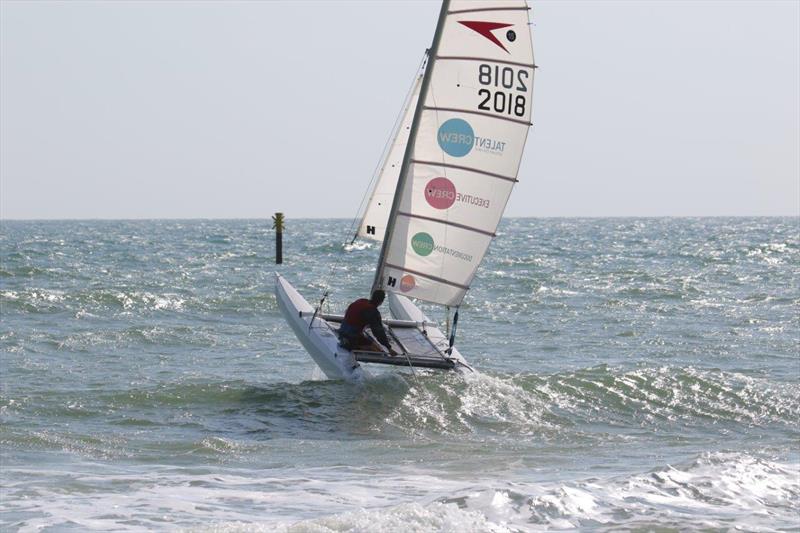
426, 80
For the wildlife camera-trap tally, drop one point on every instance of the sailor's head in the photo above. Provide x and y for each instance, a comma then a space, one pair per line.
377, 297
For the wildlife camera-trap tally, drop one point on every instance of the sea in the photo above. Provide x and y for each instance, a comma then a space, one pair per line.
631, 374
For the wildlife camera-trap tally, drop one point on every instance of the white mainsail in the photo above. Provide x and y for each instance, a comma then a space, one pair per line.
466, 147
373, 223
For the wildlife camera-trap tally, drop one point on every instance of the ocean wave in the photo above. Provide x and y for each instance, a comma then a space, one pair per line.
559, 407
472, 403
650, 396
122, 302
100, 446
408, 518
713, 490
546, 405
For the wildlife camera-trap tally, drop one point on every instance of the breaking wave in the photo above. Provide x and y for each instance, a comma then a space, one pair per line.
716, 490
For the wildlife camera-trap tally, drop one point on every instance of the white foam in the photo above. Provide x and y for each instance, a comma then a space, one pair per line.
409, 518
713, 490
717, 488
357, 246
458, 403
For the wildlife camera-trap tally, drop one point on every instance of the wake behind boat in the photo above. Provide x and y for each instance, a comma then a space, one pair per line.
442, 187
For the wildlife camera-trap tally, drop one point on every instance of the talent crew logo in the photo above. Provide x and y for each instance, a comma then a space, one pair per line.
457, 138
441, 194
422, 244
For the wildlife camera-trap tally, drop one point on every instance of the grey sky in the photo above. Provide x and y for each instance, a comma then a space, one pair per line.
238, 110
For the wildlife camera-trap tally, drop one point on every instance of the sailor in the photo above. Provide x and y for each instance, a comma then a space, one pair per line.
359, 315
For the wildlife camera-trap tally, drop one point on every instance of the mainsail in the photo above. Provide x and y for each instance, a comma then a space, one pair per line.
464, 150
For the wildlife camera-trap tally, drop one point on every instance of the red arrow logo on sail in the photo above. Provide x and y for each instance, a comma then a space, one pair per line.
486, 29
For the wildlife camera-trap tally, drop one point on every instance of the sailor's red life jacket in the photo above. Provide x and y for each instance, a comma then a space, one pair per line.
353, 317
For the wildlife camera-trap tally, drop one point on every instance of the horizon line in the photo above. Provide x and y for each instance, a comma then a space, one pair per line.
269, 218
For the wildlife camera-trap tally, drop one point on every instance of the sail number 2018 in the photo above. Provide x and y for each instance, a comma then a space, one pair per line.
498, 99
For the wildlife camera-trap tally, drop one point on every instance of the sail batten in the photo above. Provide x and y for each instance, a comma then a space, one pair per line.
429, 276
464, 150
475, 170
488, 9
463, 58
447, 222
471, 112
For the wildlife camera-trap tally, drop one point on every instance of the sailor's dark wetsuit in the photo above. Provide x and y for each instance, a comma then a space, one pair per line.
360, 314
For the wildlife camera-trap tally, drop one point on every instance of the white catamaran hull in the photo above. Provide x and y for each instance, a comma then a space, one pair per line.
420, 343
315, 335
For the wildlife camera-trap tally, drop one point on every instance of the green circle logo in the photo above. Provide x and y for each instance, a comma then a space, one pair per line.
422, 243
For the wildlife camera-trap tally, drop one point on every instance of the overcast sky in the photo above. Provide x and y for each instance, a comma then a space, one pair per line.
237, 110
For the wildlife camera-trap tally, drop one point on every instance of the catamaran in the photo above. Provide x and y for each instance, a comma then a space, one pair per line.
442, 188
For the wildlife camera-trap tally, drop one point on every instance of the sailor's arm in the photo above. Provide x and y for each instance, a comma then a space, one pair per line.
373, 318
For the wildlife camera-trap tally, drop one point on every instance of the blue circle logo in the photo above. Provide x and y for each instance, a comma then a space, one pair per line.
456, 137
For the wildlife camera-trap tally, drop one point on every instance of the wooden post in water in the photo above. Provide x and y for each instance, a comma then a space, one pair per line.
277, 225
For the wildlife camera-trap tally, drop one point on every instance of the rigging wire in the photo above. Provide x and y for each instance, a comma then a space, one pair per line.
387, 147
413, 372
375, 173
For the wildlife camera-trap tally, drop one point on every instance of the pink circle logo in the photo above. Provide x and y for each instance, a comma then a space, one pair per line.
440, 193
407, 283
